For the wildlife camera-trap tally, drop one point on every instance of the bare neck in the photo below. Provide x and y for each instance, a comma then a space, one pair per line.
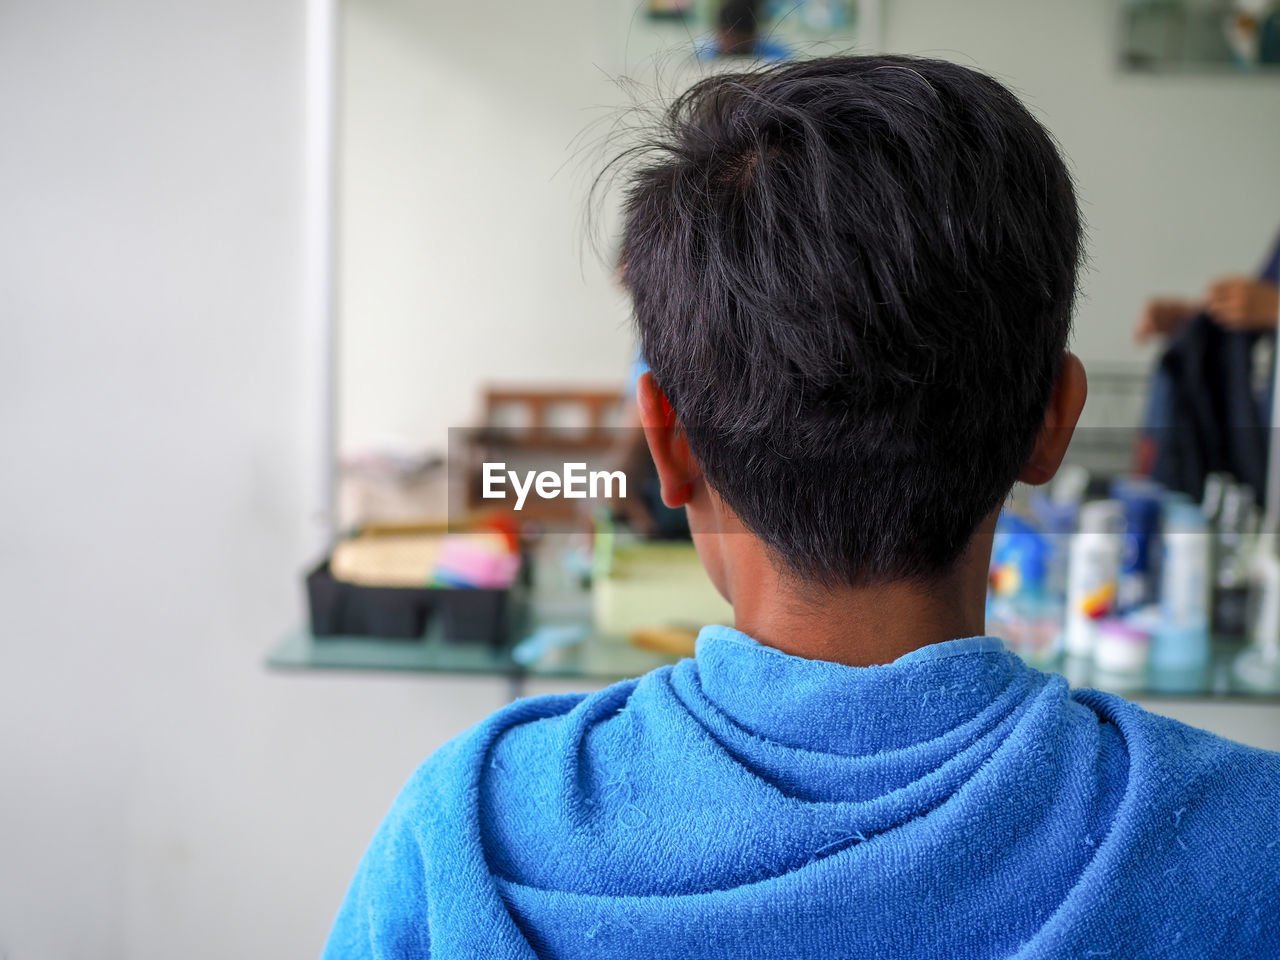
858, 626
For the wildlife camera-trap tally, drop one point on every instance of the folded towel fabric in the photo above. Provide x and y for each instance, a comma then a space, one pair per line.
752, 805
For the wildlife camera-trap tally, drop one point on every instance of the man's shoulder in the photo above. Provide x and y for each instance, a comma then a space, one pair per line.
1175, 768
524, 733
1164, 742
1224, 766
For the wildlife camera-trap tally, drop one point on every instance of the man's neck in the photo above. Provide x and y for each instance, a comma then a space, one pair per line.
858, 626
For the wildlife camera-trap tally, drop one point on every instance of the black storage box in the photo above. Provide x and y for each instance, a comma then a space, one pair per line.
464, 615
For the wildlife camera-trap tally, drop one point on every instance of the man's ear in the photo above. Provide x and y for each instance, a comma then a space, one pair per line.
676, 470
1065, 404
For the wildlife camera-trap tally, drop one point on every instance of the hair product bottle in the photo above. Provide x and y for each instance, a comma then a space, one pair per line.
1093, 574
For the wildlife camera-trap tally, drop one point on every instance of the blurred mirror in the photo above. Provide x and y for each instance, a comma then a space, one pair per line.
469, 135
477, 282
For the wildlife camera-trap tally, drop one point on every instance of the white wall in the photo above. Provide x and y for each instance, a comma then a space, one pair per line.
161, 794
460, 230
461, 243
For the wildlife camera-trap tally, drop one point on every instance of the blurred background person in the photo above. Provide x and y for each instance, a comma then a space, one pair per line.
1234, 302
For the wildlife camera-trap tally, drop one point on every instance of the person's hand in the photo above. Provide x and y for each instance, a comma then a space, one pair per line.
1164, 315
1243, 303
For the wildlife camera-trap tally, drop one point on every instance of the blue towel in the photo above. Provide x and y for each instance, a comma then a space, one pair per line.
750, 805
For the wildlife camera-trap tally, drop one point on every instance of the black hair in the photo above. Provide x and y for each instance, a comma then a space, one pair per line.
853, 279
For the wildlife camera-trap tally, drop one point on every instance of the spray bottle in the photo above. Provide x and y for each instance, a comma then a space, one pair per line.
1093, 574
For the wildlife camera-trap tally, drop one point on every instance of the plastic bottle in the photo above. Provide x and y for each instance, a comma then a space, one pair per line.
1235, 529
1182, 641
1215, 488
1138, 565
1258, 667
1017, 604
1058, 513
1120, 655
1093, 574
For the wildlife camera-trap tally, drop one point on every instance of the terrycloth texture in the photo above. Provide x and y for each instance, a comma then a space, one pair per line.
750, 805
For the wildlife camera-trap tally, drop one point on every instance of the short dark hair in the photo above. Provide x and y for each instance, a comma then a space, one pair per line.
853, 279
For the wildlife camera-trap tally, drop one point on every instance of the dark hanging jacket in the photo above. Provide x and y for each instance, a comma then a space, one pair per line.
1206, 415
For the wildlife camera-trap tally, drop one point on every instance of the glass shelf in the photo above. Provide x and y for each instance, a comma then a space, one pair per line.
302, 651
1216, 680
596, 658
604, 660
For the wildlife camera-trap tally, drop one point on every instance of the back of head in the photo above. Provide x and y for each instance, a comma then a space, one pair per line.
853, 280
